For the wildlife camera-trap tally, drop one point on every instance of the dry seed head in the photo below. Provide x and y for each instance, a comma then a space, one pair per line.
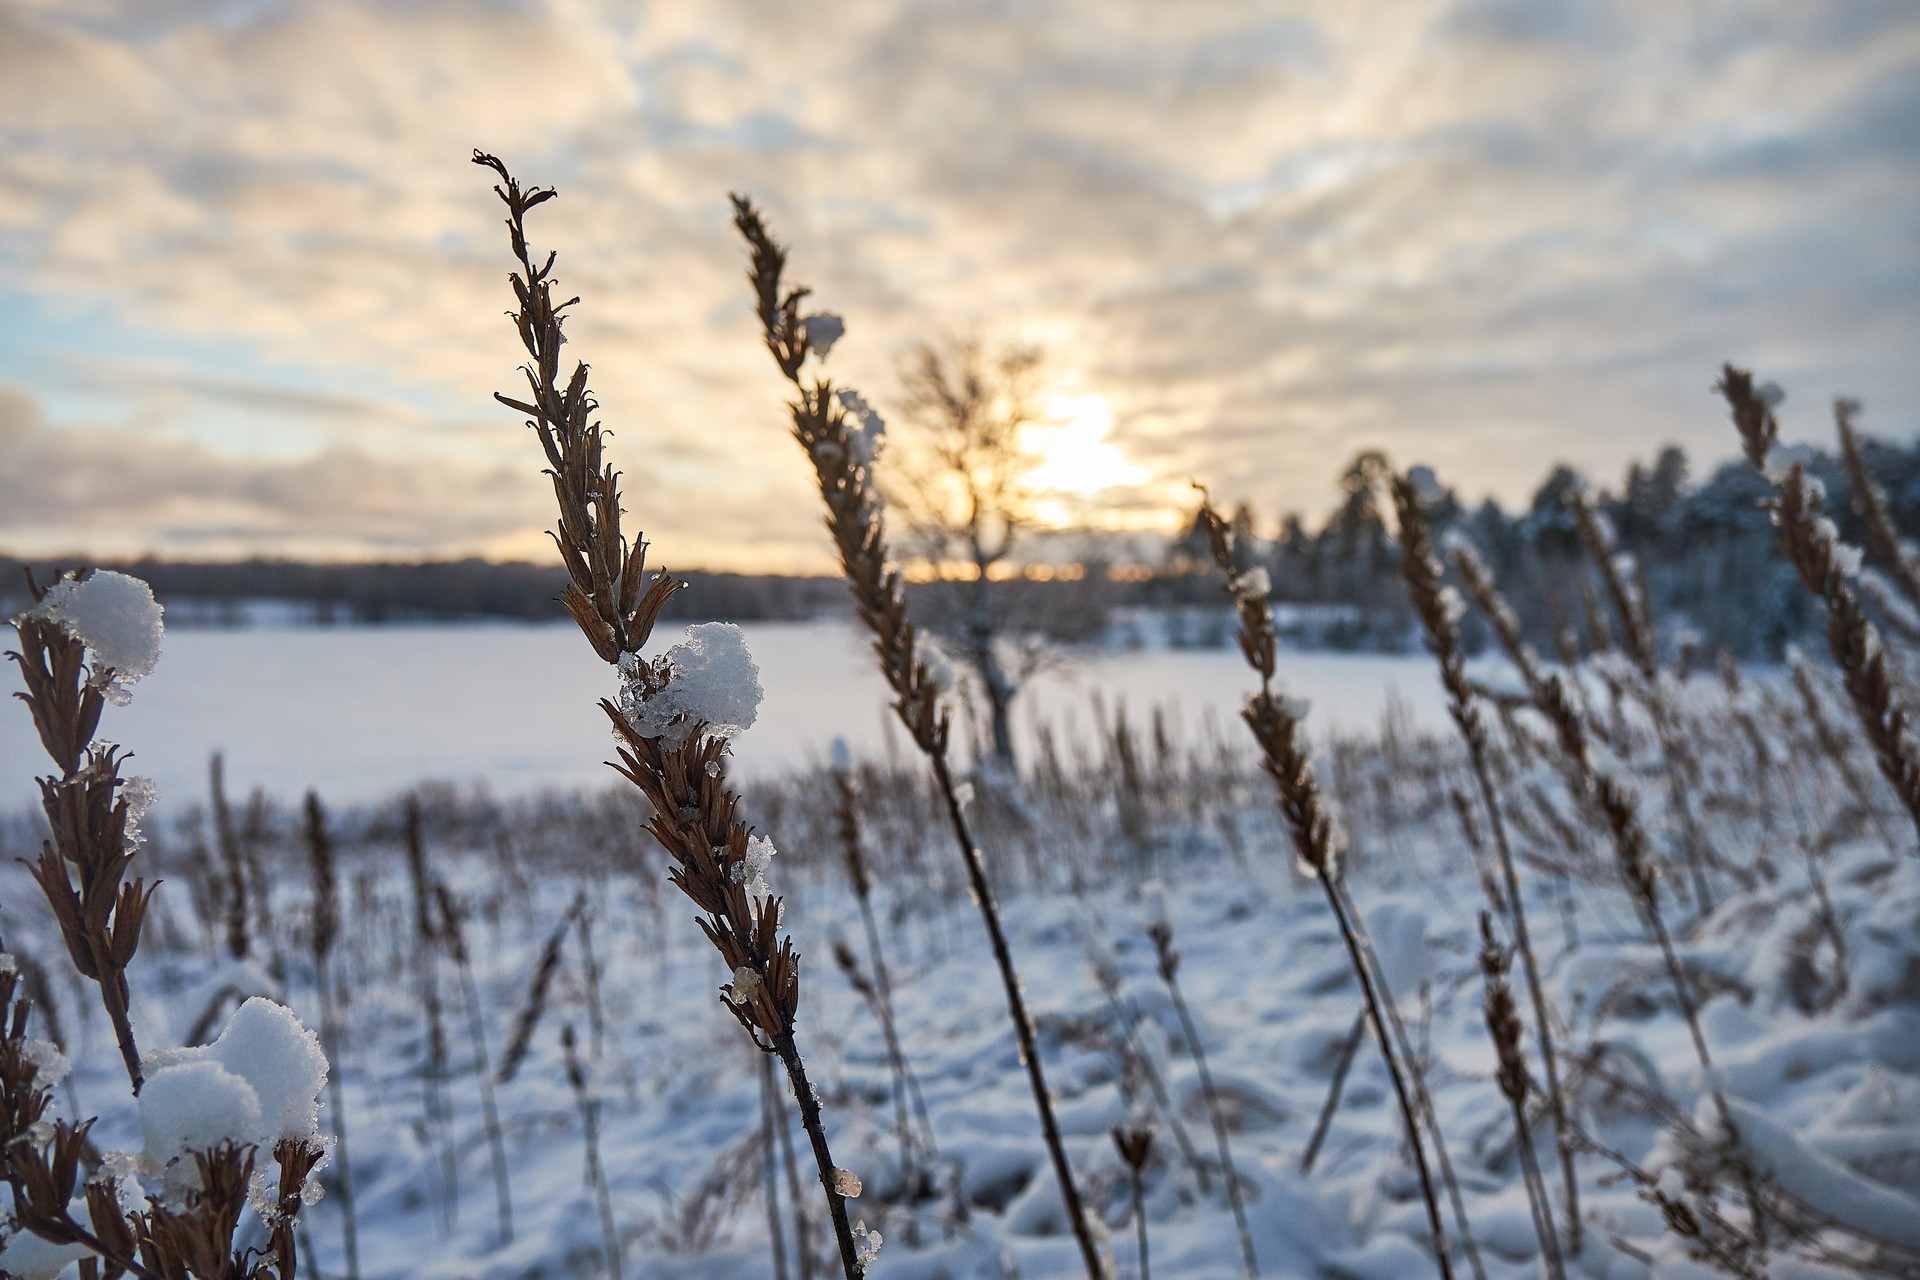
1503, 1015
1135, 1145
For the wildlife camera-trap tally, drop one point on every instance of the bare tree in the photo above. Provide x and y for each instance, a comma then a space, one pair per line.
960, 482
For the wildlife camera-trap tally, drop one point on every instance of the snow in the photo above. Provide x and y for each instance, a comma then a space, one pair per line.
751, 870
871, 428
259, 1081
31, 1258
118, 620
1826, 1186
710, 681
821, 330
358, 712
194, 1105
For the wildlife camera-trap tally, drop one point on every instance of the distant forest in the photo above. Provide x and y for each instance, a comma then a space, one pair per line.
1704, 551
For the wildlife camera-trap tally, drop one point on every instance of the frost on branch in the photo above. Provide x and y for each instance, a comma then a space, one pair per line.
116, 617
709, 680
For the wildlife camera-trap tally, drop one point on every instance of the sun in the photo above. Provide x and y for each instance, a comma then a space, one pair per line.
1074, 456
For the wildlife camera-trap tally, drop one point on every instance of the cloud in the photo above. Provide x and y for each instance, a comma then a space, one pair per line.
1486, 235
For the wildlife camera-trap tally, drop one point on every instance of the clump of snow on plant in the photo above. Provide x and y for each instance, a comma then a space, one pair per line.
140, 793
1251, 586
866, 1242
751, 870
257, 1083
116, 617
822, 330
869, 430
49, 1064
709, 680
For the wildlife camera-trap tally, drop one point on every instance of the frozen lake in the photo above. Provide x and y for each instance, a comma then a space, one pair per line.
361, 713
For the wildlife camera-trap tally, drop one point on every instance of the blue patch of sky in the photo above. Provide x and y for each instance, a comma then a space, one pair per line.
84, 363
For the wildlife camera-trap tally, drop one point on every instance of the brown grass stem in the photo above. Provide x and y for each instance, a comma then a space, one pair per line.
324, 929
681, 768
839, 435
1275, 724
1160, 932
1439, 610
1825, 566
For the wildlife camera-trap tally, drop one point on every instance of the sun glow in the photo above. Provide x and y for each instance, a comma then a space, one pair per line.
1074, 457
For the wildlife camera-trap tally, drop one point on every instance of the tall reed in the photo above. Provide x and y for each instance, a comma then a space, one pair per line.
1515, 1081
1440, 609
1826, 567
323, 924
1613, 801
841, 435
680, 767
426, 952
1870, 501
596, 1173
451, 926
1135, 1145
1275, 722
1638, 642
1160, 933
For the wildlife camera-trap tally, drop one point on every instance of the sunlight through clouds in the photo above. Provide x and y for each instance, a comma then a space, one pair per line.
1486, 235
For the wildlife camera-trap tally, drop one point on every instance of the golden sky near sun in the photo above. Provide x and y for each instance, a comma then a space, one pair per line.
253, 291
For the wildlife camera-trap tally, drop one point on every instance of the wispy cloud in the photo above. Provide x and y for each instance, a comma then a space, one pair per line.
1486, 234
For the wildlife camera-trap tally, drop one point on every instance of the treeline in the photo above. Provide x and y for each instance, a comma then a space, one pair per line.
1704, 553
228, 593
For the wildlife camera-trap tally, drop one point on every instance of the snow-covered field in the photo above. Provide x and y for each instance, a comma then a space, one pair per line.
358, 712
1817, 1047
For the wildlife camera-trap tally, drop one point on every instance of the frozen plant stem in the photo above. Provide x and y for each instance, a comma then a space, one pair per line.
1503, 1024
1348, 1048
1812, 545
427, 961
1439, 610
802, 1237
880, 990
590, 1133
839, 435
1136, 1147
1636, 631
1161, 933
679, 766
770, 1169
453, 929
325, 926
1276, 729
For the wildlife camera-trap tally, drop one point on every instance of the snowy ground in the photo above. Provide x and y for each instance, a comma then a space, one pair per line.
1826, 1076
357, 712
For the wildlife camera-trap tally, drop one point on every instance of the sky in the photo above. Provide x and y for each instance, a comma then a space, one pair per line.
252, 293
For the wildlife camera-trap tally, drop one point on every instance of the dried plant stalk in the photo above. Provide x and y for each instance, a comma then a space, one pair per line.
695, 813
1503, 1025
1636, 627
324, 928
88, 811
1870, 500
1275, 724
1135, 1145
1439, 610
1825, 566
839, 435
1160, 932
